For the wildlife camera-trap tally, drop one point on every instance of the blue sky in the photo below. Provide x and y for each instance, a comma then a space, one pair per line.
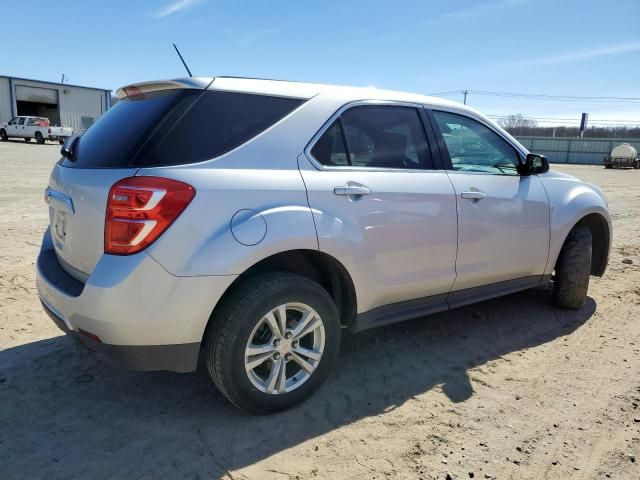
553, 47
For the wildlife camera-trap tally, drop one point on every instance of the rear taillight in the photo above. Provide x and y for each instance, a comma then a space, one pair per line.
140, 209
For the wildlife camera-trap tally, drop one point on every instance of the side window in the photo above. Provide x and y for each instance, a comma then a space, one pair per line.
386, 137
32, 121
474, 147
329, 149
215, 124
376, 136
21, 121
13, 121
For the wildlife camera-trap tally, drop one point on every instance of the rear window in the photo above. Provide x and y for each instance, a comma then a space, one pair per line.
176, 127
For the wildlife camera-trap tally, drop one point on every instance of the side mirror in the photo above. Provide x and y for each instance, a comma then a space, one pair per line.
534, 164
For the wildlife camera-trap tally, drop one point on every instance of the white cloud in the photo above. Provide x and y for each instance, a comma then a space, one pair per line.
174, 7
476, 10
581, 55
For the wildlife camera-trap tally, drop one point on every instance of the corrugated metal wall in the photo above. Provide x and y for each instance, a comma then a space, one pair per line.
574, 150
76, 103
5, 100
78, 106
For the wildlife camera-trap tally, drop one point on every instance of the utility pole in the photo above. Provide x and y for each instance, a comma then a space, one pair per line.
583, 123
465, 95
62, 79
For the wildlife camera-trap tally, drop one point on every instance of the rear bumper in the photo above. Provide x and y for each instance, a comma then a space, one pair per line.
145, 318
176, 358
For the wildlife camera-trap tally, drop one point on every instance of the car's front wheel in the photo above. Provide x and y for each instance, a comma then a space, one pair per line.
571, 277
272, 342
3, 135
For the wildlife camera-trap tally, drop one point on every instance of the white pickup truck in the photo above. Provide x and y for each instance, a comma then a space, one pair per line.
33, 127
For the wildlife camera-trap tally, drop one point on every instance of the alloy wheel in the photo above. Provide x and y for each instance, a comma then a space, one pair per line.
284, 348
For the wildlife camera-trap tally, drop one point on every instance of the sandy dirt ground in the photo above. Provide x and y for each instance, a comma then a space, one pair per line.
509, 388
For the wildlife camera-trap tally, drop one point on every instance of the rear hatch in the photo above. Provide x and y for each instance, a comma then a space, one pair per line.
80, 183
153, 125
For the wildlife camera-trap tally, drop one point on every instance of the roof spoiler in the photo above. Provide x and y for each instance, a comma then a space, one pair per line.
146, 87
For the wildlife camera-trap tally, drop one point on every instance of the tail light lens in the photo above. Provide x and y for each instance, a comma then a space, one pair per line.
140, 209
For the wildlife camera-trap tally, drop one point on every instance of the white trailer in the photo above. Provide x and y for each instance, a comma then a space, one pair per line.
623, 155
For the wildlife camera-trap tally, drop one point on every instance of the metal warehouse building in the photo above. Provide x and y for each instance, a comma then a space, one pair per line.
63, 104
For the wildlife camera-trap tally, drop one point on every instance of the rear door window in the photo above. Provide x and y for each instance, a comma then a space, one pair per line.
329, 149
379, 136
21, 121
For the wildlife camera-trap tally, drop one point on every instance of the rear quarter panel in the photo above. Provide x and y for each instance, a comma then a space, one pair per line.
201, 241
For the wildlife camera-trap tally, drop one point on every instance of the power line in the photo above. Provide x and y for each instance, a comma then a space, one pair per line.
450, 92
538, 96
564, 98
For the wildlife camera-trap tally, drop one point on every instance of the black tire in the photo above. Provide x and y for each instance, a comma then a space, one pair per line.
3, 135
61, 141
232, 324
39, 138
571, 278
636, 165
27, 139
608, 166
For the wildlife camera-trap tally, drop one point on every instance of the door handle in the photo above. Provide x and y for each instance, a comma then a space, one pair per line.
352, 189
473, 195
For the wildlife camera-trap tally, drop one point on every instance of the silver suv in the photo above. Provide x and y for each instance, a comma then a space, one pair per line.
249, 223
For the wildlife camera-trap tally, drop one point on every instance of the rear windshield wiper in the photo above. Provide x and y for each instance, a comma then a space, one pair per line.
69, 147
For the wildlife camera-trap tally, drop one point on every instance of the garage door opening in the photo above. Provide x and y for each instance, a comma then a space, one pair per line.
38, 102
34, 109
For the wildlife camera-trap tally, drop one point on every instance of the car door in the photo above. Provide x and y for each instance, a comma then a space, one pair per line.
22, 123
380, 206
503, 217
12, 127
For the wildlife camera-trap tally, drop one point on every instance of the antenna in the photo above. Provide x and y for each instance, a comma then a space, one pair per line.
182, 60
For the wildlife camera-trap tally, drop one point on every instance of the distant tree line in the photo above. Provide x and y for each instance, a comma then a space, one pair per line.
519, 125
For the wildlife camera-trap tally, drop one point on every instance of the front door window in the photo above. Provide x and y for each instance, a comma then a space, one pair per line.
474, 147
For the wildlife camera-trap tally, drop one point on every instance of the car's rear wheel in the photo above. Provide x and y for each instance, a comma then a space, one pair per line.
571, 278
27, 139
39, 138
3, 135
272, 342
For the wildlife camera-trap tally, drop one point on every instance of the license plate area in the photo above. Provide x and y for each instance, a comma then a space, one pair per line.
60, 224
